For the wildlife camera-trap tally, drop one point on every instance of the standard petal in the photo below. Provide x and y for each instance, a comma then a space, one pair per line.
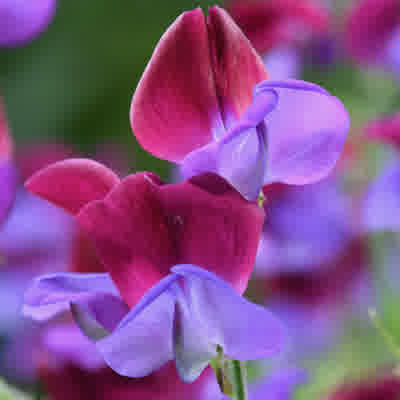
142, 342
72, 183
175, 108
21, 23
131, 234
306, 132
216, 306
51, 294
236, 65
213, 226
386, 130
382, 203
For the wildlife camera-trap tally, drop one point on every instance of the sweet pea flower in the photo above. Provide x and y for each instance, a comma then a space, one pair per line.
142, 228
22, 21
373, 33
312, 261
204, 102
281, 32
382, 199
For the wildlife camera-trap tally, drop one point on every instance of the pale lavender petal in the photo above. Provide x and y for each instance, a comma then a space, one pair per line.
215, 307
382, 202
66, 344
192, 347
306, 132
280, 385
283, 63
51, 294
21, 20
142, 342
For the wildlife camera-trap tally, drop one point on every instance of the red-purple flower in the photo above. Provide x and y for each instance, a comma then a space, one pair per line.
204, 102
22, 21
375, 388
141, 228
373, 32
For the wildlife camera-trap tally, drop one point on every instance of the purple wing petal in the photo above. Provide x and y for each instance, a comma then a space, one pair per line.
51, 294
382, 203
216, 306
306, 132
142, 342
21, 22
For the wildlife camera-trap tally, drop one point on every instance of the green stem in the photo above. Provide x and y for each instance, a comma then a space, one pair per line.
239, 380
389, 339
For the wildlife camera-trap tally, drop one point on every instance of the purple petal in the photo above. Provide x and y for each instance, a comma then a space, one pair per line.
215, 307
51, 294
240, 156
8, 184
192, 347
22, 21
279, 386
66, 344
382, 203
306, 132
142, 342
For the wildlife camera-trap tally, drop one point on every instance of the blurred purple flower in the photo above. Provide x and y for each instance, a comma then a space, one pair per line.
248, 130
23, 20
312, 261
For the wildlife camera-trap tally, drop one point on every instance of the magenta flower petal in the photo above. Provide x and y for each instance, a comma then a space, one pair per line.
370, 25
383, 201
72, 183
214, 308
143, 228
200, 78
21, 22
52, 294
306, 132
175, 107
386, 130
237, 67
